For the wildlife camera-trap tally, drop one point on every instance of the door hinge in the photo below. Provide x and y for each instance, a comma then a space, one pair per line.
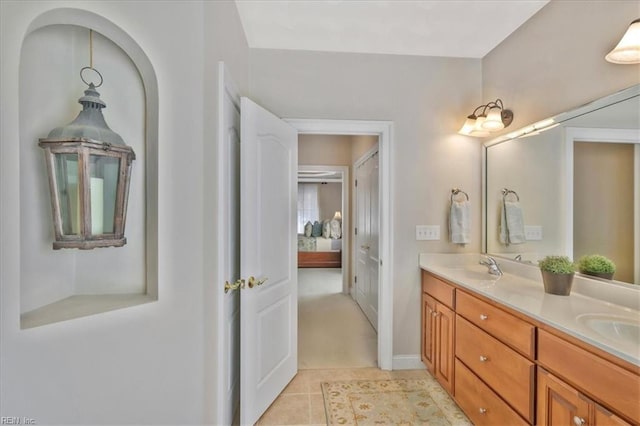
356, 230
380, 262
356, 182
355, 279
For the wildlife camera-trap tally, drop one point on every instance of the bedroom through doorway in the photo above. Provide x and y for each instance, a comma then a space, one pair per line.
333, 332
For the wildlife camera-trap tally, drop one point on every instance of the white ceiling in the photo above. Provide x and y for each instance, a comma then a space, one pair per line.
453, 28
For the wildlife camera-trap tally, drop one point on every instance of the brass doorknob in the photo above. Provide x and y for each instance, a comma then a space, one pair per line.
252, 281
236, 285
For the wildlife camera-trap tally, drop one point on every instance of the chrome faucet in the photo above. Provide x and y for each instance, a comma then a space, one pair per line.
491, 263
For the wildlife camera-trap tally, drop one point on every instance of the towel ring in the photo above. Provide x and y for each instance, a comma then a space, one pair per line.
506, 192
456, 191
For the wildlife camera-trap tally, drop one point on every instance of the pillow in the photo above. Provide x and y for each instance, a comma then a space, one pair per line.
317, 229
308, 227
326, 229
336, 229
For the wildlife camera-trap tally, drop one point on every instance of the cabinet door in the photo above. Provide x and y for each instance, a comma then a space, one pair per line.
444, 346
428, 338
603, 417
558, 403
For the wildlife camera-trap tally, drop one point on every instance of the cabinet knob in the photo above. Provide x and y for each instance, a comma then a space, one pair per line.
484, 317
578, 421
434, 314
483, 411
483, 358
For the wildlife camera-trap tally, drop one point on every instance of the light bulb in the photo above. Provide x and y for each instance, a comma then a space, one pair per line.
493, 120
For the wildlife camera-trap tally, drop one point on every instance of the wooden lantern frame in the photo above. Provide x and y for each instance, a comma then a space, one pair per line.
84, 148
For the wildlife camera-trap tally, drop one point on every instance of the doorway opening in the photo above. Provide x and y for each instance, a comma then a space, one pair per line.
383, 130
336, 325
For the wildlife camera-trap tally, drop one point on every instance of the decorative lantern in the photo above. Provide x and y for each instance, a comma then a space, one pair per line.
89, 169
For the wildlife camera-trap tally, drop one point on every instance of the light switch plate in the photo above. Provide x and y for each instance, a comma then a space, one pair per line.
427, 232
533, 232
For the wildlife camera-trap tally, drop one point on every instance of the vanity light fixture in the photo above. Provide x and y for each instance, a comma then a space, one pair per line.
486, 119
628, 49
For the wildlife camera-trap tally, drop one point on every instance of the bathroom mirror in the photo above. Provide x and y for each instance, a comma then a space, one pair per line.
578, 185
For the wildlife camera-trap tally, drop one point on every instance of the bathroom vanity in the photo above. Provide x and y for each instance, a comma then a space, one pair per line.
511, 354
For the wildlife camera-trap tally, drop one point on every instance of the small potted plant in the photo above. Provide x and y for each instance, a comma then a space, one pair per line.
557, 274
597, 266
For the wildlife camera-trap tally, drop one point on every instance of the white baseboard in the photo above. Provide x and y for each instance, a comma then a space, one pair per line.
407, 362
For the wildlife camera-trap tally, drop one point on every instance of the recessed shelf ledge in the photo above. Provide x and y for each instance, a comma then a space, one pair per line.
80, 306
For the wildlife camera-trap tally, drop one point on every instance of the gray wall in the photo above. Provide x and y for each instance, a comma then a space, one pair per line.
555, 61
153, 363
426, 98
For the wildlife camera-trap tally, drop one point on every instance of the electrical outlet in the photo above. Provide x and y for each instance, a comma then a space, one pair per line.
427, 232
533, 233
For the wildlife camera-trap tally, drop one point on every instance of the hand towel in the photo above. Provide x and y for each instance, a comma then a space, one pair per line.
512, 223
460, 222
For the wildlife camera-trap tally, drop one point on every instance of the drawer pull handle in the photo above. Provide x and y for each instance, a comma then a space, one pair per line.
483, 411
484, 317
578, 421
483, 358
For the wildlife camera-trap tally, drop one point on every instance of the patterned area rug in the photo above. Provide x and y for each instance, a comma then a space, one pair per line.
390, 402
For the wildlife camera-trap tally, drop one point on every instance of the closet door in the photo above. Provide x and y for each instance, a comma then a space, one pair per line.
367, 223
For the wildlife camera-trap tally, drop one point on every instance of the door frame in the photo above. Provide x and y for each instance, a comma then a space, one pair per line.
346, 238
226, 376
384, 131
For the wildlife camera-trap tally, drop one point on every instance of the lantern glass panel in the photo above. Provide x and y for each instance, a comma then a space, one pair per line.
67, 183
104, 172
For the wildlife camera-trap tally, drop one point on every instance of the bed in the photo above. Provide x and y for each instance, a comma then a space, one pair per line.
319, 252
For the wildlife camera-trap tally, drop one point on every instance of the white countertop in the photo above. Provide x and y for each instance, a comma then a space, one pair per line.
521, 288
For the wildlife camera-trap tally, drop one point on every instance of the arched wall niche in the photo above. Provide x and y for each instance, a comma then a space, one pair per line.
67, 284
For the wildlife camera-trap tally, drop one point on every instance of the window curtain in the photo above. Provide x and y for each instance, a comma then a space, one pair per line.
308, 209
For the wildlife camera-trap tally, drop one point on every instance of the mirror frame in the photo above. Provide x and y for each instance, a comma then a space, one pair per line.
620, 96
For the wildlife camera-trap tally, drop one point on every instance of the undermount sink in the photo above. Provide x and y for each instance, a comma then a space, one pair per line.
618, 328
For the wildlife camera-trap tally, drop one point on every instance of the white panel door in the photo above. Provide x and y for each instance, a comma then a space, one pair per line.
367, 222
269, 311
228, 200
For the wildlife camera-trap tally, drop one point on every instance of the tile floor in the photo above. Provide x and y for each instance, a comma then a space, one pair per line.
345, 353
301, 403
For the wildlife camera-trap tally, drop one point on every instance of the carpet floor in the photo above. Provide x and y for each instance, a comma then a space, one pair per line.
390, 402
332, 330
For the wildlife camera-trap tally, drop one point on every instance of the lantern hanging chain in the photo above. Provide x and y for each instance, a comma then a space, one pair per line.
90, 67
91, 49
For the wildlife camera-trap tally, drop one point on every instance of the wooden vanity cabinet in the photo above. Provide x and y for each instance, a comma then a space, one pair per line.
592, 378
437, 336
504, 367
486, 341
480, 403
560, 404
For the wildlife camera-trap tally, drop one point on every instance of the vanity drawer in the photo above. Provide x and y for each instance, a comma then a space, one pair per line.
439, 289
611, 385
482, 405
508, 373
513, 331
